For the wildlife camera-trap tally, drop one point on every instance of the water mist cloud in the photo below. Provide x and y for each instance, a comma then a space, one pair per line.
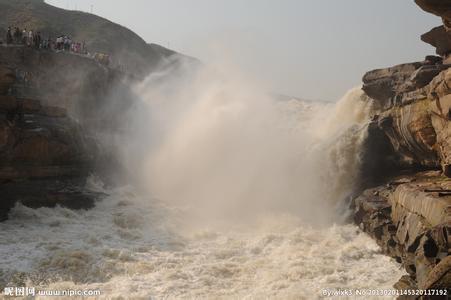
219, 145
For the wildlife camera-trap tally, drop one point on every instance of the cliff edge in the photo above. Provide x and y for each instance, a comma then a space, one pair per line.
100, 35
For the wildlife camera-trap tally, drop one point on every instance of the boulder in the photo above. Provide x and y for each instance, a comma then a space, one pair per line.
388, 86
441, 8
439, 38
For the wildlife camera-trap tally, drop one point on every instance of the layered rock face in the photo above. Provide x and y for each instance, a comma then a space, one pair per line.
414, 104
45, 153
410, 219
409, 215
77, 83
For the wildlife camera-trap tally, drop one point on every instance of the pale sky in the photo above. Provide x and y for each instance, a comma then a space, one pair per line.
312, 49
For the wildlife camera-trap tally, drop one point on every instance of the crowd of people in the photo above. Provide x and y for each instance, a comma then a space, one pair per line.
34, 39
29, 38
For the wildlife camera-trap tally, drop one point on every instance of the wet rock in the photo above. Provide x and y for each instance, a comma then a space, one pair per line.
44, 155
412, 224
68, 192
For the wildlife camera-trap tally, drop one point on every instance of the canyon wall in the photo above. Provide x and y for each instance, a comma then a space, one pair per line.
60, 111
408, 209
52, 106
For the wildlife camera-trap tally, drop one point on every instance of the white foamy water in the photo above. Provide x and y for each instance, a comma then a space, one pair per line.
236, 196
128, 248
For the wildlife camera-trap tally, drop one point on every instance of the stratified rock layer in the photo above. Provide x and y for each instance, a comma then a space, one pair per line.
410, 215
410, 218
415, 117
45, 155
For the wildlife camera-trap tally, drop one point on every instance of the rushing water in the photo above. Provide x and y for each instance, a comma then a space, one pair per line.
125, 247
236, 198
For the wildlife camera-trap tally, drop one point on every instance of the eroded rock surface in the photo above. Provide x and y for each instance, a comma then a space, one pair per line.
410, 218
440, 38
415, 117
45, 155
410, 214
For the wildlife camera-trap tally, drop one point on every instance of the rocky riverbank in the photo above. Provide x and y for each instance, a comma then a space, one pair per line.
408, 207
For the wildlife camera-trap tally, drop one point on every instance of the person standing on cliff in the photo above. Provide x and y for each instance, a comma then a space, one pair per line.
9, 36
58, 43
24, 36
37, 40
65, 43
17, 37
30, 38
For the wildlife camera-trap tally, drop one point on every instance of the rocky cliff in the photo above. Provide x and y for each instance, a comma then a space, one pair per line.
60, 111
408, 209
52, 108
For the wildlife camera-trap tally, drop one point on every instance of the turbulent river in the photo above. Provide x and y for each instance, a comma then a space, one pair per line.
234, 196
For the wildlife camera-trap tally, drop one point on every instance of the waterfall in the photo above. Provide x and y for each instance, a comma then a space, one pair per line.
231, 194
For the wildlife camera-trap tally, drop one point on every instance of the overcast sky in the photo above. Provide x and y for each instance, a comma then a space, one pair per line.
310, 49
